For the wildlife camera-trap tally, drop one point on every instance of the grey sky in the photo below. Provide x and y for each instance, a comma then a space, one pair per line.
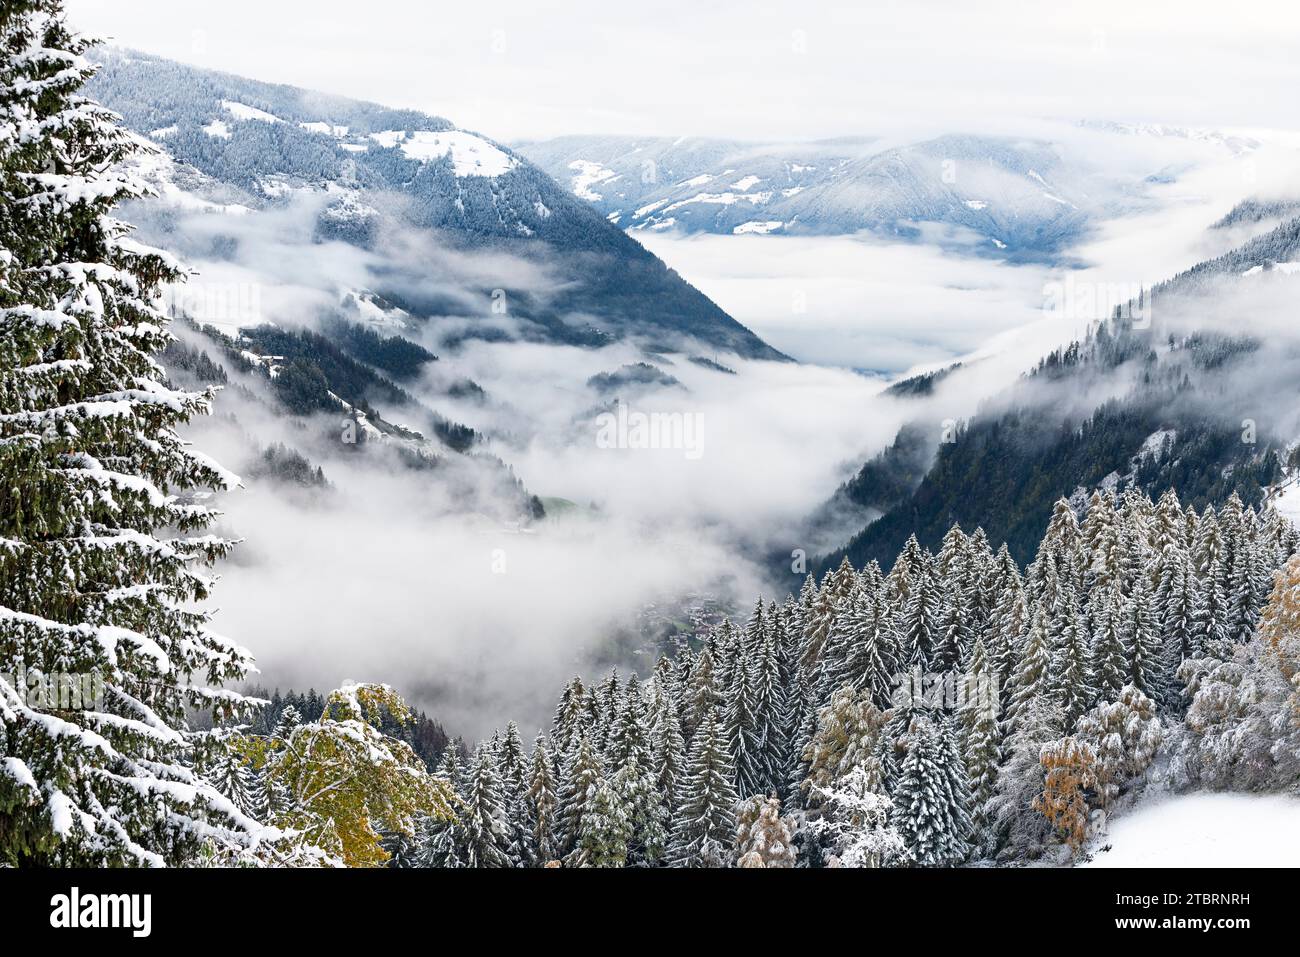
768, 70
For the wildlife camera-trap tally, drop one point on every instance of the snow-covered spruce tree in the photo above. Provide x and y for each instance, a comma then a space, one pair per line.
540, 803
919, 625
1142, 642
1110, 663
771, 717
871, 648
438, 844
645, 813
582, 775
1030, 679
512, 769
742, 733
91, 469
605, 831
231, 773
701, 696
483, 820
931, 799
570, 717
1071, 668
981, 731
668, 750
706, 816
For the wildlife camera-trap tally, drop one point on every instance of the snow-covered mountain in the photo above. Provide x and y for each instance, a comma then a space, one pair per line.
259, 145
1010, 197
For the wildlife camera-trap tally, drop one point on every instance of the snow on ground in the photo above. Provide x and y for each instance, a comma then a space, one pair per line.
218, 129
746, 184
470, 155
242, 111
587, 174
1284, 268
721, 199
329, 129
754, 226
648, 208
1206, 830
1287, 500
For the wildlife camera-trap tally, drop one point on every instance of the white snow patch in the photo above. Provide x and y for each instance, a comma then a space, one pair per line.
1286, 269
760, 228
242, 111
328, 129
1286, 500
1155, 442
746, 183
373, 314
696, 180
1206, 830
218, 129
586, 175
470, 155
721, 199
976, 204
648, 208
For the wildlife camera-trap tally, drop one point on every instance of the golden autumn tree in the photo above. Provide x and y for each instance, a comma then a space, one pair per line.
847, 736
1069, 770
1279, 627
345, 781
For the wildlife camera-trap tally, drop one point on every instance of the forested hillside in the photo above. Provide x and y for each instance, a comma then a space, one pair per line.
954, 709
269, 142
1154, 427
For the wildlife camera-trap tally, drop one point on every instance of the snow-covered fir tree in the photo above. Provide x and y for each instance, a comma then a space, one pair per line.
705, 824
93, 470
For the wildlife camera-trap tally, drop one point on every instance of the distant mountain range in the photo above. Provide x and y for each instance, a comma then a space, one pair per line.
1010, 197
262, 143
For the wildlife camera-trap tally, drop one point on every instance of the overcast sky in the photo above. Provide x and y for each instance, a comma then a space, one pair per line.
766, 70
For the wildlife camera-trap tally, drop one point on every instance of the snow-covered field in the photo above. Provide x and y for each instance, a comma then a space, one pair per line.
1206, 830
1287, 502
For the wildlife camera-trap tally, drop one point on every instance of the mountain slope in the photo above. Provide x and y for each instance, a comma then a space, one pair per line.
383, 168
1198, 399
